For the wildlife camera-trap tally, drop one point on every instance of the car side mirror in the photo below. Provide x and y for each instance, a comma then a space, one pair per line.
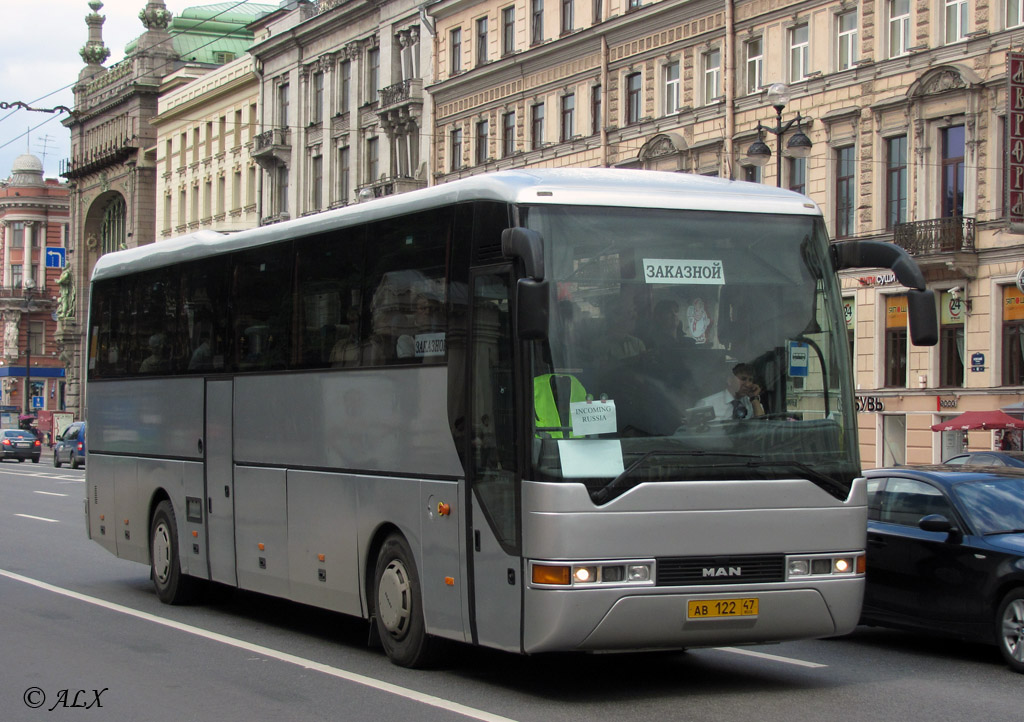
939, 523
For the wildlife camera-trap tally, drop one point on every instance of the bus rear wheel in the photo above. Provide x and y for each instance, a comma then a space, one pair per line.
398, 606
172, 586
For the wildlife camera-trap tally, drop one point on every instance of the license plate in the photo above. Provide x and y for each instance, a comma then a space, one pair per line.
707, 608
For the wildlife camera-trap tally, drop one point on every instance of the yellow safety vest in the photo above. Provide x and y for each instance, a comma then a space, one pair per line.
546, 409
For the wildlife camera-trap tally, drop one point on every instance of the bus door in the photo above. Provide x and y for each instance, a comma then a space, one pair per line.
494, 480
220, 487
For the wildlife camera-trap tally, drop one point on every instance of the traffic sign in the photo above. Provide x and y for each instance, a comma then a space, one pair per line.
56, 257
37, 402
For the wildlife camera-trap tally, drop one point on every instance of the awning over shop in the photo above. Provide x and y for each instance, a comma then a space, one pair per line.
971, 420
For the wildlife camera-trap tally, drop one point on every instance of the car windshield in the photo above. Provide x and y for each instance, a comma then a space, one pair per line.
690, 345
994, 505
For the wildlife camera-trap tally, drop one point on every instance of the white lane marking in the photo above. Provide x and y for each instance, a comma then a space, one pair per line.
74, 481
49, 493
377, 684
38, 518
772, 657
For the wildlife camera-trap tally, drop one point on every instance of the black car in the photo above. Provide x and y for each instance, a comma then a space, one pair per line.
988, 458
70, 446
19, 444
946, 554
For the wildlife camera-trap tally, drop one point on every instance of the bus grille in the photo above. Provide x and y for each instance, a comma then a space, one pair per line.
684, 571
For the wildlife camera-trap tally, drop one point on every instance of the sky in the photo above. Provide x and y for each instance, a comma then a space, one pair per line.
39, 62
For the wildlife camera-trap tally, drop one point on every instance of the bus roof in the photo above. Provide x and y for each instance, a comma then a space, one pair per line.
578, 186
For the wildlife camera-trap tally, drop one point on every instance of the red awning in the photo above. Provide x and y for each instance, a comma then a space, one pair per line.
979, 420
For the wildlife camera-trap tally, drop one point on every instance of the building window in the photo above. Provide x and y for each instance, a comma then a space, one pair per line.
344, 85
221, 188
845, 181
567, 17
182, 206
372, 74
195, 145
536, 22
799, 46
222, 136
956, 20
595, 110
754, 50
167, 213
194, 210
372, 160
238, 129
798, 175
1013, 336
536, 126
508, 134
895, 341
236, 190
344, 164
316, 183
712, 76
18, 234
846, 37
282, 105
483, 129
456, 148
953, 171
508, 30
455, 51
567, 127
16, 276
894, 439
168, 152
672, 88
899, 27
634, 4
599, 11
752, 173
282, 190
895, 181
1014, 13
316, 100
481, 41
951, 341
634, 89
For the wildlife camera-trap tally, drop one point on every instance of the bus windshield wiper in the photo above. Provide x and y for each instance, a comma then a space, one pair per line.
620, 483
825, 481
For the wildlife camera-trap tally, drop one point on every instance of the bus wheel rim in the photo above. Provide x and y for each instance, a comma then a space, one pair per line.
161, 553
394, 599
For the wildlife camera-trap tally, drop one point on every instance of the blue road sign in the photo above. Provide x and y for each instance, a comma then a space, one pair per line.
55, 257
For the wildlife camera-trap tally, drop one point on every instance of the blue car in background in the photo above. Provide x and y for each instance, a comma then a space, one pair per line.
988, 458
70, 446
945, 554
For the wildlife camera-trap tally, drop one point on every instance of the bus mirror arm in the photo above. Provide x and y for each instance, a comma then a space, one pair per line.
924, 324
525, 244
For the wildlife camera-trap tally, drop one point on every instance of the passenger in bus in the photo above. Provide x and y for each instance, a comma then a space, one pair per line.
345, 351
156, 362
202, 356
618, 342
741, 398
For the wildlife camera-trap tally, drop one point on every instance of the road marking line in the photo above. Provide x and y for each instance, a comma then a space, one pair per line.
74, 481
49, 493
772, 657
38, 518
377, 684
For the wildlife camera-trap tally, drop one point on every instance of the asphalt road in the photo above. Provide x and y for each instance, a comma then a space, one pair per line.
83, 636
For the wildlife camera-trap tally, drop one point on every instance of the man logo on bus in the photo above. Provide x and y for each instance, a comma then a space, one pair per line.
723, 572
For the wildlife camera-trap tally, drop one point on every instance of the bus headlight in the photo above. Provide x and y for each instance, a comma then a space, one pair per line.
592, 574
824, 565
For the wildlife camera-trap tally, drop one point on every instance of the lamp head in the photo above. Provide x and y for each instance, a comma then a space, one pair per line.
778, 95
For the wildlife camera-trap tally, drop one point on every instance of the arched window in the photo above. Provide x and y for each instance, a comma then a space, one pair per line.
112, 232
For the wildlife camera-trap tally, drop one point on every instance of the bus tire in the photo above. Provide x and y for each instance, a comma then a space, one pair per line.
398, 606
172, 586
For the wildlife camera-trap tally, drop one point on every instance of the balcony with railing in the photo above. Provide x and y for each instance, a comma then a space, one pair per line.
939, 241
389, 187
272, 147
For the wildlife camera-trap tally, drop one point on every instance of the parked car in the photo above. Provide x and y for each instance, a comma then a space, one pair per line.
946, 554
20, 444
70, 446
988, 458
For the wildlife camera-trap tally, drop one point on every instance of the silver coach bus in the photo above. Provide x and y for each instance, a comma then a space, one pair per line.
490, 411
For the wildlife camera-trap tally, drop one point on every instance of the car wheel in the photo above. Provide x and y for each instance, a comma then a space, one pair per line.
1010, 629
56, 459
398, 606
35, 459
21, 461
74, 461
172, 586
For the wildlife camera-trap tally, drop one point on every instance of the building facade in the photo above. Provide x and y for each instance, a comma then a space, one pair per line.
33, 239
342, 110
904, 103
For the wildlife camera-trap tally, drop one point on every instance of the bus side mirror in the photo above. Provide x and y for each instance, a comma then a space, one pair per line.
527, 245
532, 309
924, 325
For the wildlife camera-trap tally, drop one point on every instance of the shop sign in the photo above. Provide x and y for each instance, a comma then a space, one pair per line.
1015, 141
941, 403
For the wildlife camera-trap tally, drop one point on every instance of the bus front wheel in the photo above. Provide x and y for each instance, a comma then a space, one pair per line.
172, 586
398, 606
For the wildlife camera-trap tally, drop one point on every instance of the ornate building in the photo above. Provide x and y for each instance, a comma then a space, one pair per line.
34, 231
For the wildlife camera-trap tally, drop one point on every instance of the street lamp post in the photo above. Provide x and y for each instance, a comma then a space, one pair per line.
799, 145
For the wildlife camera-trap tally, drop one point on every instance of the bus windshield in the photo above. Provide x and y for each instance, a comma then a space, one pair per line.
690, 345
